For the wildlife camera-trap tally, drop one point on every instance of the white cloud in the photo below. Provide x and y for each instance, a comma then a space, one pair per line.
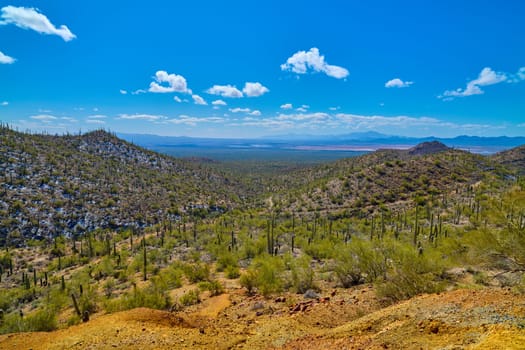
225, 91
5, 103
30, 18
95, 121
334, 108
198, 100
255, 113
485, 78
240, 110
521, 73
148, 117
398, 83
138, 92
175, 83
123, 92
301, 109
69, 119
177, 99
319, 116
254, 89
287, 106
301, 62
218, 103
4, 59
43, 117
97, 116
193, 121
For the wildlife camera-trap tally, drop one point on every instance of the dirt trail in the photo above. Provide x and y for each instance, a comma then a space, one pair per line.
344, 319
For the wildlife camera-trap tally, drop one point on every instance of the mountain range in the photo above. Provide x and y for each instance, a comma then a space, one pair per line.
369, 141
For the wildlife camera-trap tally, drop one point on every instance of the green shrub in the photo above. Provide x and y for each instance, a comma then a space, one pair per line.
226, 260
214, 286
171, 276
264, 274
411, 274
302, 274
41, 320
232, 272
197, 272
189, 298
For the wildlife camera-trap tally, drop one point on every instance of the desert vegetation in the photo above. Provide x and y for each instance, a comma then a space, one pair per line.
93, 225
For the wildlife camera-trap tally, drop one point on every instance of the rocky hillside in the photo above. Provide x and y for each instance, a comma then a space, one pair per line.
513, 158
389, 176
76, 183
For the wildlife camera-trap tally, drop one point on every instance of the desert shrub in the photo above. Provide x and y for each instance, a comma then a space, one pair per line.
232, 272
248, 280
361, 261
226, 260
104, 268
214, 286
197, 272
171, 276
189, 298
320, 249
41, 320
410, 274
302, 274
153, 296
264, 274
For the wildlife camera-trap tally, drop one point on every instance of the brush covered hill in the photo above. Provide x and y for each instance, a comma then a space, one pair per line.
389, 176
71, 184
513, 159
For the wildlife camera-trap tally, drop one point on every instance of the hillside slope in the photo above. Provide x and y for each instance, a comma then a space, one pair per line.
461, 319
72, 184
389, 176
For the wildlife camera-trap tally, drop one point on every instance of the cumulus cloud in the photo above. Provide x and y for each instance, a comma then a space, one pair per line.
225, 91
138, 92
398, 83
303, 62
255, 113
254, 89
172, 83
123, 92
486, 77
177, 99
30, 18
287, 106
218, 103
198, 100
240, 110
147, 117
4, 59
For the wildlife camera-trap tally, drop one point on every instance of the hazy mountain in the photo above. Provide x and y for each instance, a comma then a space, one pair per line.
356, 141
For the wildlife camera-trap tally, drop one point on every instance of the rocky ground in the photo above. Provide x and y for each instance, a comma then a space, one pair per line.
491, 318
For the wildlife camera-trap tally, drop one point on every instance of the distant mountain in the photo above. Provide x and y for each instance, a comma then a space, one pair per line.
431, 147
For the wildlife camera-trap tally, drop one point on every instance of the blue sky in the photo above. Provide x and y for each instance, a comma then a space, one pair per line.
249, 69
